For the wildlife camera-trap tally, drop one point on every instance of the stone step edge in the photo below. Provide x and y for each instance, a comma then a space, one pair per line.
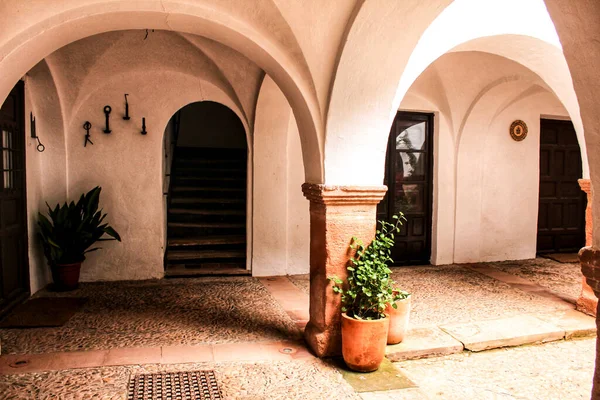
396, 353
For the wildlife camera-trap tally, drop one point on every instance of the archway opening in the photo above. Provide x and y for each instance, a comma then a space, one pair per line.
206, 156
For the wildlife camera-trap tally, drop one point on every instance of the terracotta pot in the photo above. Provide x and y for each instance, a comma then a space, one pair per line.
398, 320
66, 276
363, 342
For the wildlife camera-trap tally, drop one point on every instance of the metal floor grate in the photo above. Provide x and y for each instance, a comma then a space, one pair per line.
188, 385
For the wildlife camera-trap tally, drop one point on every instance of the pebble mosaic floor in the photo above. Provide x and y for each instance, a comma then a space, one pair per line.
159, 313
453, 293
306, 380
240, 309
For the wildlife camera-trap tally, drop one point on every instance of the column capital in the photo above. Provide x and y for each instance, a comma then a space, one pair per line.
343, 195
585, 185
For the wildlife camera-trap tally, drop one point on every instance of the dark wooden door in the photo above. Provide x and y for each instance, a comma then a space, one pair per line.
14, 266
408, 176
561, 218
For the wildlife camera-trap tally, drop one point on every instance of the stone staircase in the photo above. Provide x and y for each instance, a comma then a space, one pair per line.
206, 220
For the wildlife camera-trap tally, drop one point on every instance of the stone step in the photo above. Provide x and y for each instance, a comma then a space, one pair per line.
202, 200
207, 240
208, 225
187, 211
186, 255
226, 269
178, 189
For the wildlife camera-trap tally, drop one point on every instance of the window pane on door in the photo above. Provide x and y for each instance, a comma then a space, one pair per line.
410, 166
409, 198
7, 159
411, 137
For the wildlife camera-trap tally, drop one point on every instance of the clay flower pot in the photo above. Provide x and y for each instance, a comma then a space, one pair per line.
66, 276
398, 320
363, 342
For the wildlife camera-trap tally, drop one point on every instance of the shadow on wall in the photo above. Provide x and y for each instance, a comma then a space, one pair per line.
212, 125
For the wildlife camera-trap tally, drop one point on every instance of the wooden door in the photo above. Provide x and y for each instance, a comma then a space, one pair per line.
408, 177
561, 218
14, 266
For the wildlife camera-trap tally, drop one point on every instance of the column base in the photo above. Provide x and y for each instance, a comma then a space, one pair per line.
587, 302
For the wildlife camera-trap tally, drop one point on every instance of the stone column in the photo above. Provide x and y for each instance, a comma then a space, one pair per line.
590, 266
587, 301
337, 213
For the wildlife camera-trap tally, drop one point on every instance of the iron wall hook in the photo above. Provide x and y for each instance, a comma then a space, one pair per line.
126, 116
40, 147
107, 110
87, 126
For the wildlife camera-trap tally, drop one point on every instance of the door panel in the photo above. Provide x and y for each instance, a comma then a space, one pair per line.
14, 266
409, 180
561, 218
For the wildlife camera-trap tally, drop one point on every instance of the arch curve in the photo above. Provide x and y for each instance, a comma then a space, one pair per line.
22, 51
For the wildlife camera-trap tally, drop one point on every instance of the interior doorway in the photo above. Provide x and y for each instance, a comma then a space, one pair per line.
409, 178
206, 205
561, 218
14, 265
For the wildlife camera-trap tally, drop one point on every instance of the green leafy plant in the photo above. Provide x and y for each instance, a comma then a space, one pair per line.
73, 228
369, 287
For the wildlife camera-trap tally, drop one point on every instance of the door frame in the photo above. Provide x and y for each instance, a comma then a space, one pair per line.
428, 117
20, 86
583, 195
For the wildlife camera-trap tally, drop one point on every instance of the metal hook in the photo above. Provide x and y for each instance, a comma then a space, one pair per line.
107, 110
87, 126
40, 147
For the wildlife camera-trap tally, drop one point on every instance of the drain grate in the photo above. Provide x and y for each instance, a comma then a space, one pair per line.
188, 385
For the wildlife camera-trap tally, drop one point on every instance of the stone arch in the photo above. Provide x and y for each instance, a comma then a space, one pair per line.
275, 53
370, 98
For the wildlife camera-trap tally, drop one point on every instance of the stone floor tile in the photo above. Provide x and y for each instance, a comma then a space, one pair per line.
423, 342
24, 363
186, 354
575, 323
387, 377
248, 352
401, 394
129, 356
513, 331
560, 370
78, 359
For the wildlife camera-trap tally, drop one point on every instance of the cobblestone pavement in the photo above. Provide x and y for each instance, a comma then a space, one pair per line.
306, 380
158, 313
559, 370
454, 293
554, 371
564, 278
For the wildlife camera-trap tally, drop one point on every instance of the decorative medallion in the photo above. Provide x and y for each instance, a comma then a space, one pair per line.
518, 130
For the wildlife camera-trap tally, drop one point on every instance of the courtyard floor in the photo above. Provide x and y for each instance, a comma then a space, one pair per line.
249, 331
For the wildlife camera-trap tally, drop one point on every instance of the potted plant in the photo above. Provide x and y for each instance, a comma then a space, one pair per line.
399, 313
368, 292
68, 235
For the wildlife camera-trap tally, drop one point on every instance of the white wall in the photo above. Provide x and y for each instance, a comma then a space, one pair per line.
485, 200
74, 84
281, 218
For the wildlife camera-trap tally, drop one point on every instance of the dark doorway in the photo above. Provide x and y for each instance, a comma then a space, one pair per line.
14, 265
206, 220
561, 218
408, 176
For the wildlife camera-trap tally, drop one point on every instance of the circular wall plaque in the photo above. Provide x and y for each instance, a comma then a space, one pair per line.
518, 130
